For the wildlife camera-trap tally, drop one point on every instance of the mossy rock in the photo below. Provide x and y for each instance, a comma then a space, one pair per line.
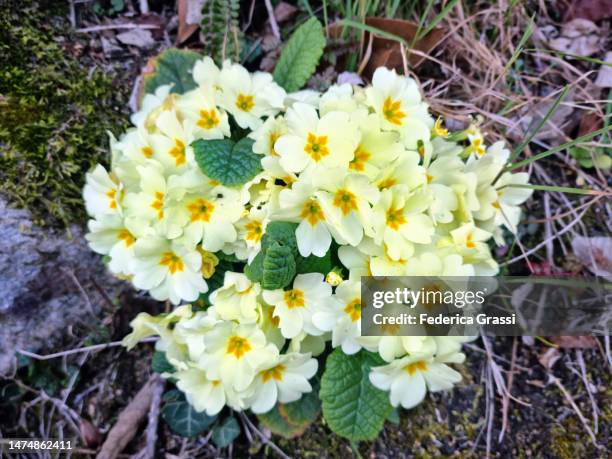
54, 114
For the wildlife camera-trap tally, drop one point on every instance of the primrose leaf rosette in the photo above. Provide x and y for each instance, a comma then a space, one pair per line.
256, 212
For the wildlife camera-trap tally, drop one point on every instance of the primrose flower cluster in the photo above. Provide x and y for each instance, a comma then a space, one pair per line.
364, 174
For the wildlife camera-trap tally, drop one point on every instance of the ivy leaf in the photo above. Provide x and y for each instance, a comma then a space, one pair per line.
181, 417
352, 406
314, 264
226, 432
278, 267
229, 163
292, 419
300, 56
160, 364
173, 66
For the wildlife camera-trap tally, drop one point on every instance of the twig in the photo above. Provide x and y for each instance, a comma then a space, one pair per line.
153, 420
506, 398
272, 18
95, 347
543, 243
127, 25
587, 386
144, 6
569, 398
265, 439
127, 424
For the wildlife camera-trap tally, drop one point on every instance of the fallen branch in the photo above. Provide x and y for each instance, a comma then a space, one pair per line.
130, 418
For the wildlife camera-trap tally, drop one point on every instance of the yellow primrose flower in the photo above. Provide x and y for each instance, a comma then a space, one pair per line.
103, 193
168, 270
201, 116
109, 236
237, 298
267, 134
400, 220
408, 378
236, 353
284, 380
346, 200
397, 102
249, 97
313, 142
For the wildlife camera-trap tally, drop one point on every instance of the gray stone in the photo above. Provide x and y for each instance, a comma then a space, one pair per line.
49, 281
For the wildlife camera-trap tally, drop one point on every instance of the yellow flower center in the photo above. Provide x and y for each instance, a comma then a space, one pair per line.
254, 231
208, 119
469, 241
273, 373
312, 213
392, 112
178, 152
273, 138
245, 102
387, 183
158, 204
358, 162
209, 262
412, 368
275, 321
238, 346
316, 146
112, 194
127, 237
440, 130
496, 203
478, 146
429, 178
172, 261
147, 152
345, 200
353, 309
201, 210
395, 218
389, 329
294, 298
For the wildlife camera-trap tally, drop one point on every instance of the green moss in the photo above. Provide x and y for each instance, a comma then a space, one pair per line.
54, 114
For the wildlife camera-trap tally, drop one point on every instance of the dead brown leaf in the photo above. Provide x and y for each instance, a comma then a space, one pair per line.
579, 36
387, 53
548, 358
593, 10
575, 342
589, 123
595, 253
128, 421
604, 76
284, 12
89, 434
189, 15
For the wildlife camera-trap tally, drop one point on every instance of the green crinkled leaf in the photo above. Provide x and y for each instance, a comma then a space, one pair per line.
226, 432
314, 264
352, 406
254, 270
278, 267
160, 364
300, 56
173, 66
231, 164
281, 232
292, 419
181, 417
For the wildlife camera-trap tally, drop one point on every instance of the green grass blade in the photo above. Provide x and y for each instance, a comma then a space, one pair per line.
573, 56
560, 189
530, 136
557, 149
373, 30
521, 45
435, 21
